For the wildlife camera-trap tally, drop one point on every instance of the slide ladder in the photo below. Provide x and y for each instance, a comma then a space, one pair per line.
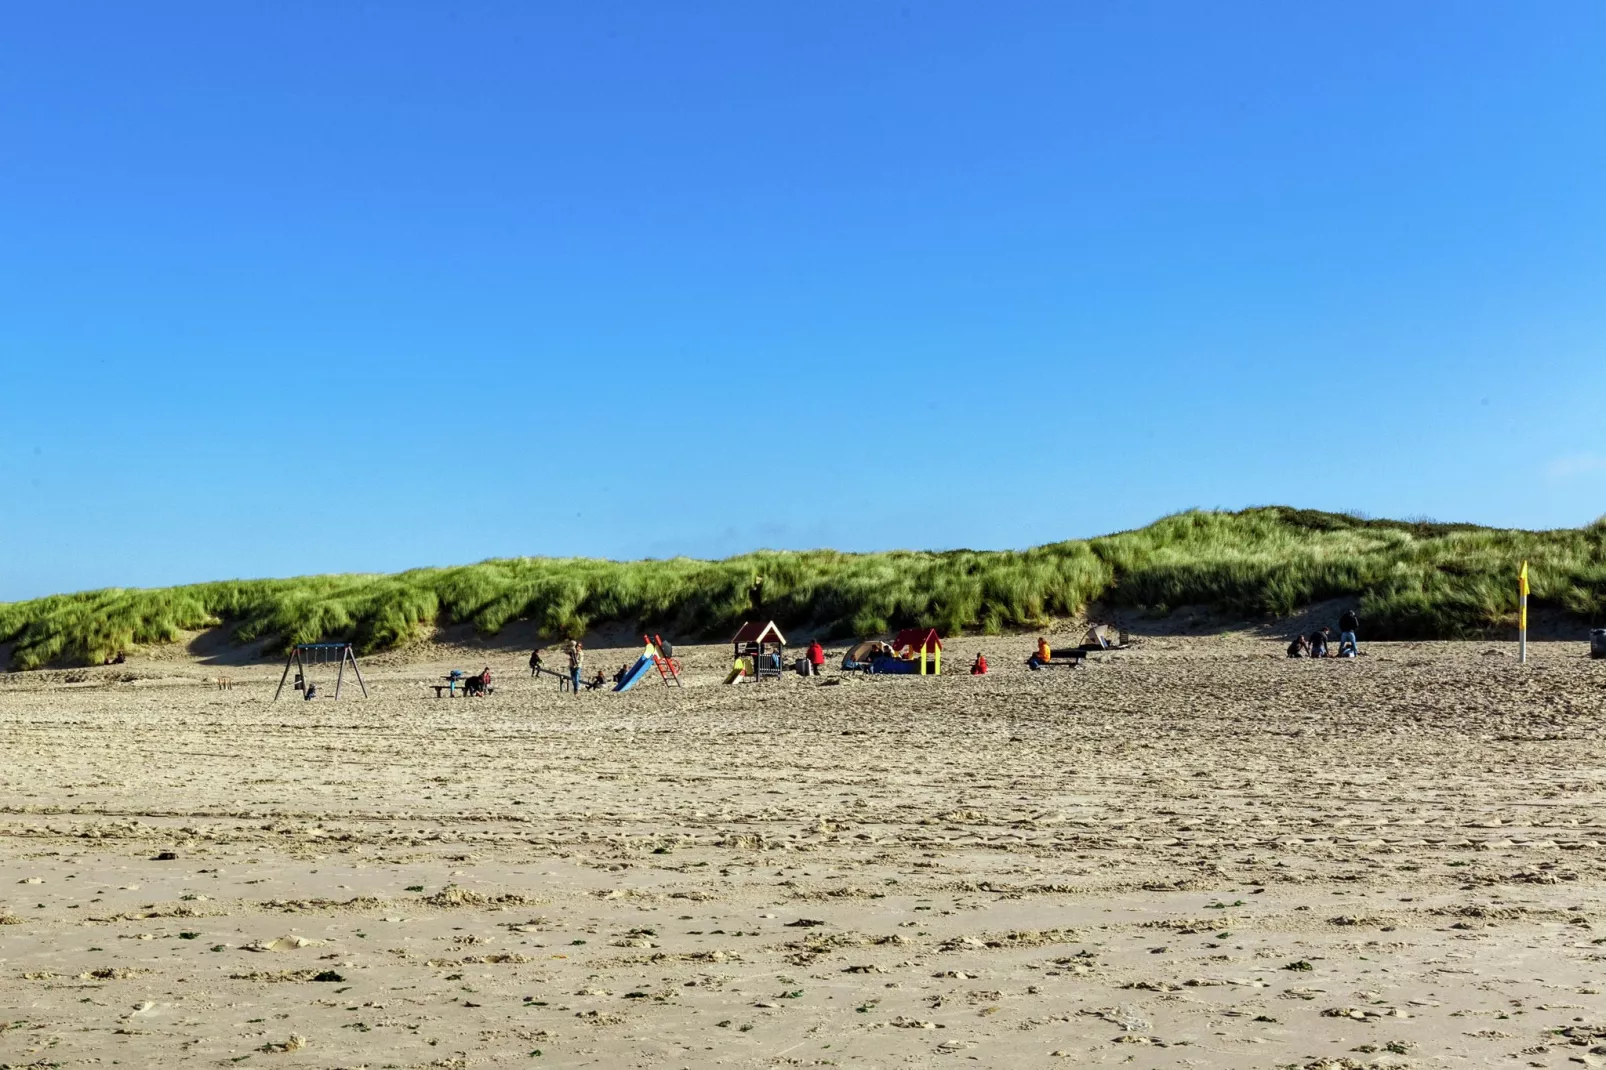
652, 656
668, 665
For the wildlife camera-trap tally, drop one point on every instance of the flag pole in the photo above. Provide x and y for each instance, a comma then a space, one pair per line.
1522, 615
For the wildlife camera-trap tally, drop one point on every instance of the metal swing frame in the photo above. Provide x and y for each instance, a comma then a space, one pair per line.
318, 652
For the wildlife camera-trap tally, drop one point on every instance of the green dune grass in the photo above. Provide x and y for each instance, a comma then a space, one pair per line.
1412, 580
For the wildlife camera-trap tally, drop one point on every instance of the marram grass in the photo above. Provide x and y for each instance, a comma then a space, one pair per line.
1412, 580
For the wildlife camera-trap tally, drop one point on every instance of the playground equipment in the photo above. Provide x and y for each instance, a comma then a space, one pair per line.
922, 643
561, 677
760, 651
658, 654
317, 654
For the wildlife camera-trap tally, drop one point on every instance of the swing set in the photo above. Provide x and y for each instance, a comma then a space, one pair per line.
304, 654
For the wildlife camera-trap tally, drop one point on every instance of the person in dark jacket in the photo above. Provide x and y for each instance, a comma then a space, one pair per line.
1318, 642
1348, 625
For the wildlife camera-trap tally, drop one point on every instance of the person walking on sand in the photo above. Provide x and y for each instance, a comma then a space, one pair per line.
816, 657
535, 661
577, 663
1348, 625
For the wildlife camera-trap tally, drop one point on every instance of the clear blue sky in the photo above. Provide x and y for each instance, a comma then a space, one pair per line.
306, 287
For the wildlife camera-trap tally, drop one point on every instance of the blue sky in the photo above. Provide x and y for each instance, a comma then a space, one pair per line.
302, 288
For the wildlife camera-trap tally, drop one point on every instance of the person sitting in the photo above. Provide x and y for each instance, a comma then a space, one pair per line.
1318, 643
619, 677
979, 666
1044, 653
1299, 648
597, 681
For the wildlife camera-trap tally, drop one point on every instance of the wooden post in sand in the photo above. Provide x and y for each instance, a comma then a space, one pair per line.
1522, 615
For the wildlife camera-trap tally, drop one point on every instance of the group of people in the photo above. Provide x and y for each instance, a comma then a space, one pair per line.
1315, 645
478, 684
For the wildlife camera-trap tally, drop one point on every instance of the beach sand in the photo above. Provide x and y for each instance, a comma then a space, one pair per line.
1195, 853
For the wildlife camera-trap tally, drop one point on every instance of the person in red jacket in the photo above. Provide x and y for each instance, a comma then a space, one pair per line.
979, 666
816, 657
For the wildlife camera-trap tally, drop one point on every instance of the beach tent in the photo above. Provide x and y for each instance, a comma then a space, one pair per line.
861, 654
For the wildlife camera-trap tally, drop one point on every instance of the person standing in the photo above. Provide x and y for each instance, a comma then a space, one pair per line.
816, 657
1348, 625
577, 663
535, 661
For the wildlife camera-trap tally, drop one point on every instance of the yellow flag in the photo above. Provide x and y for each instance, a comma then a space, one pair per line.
1522, 580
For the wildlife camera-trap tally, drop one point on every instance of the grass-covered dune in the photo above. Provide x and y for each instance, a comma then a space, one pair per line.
1412, 579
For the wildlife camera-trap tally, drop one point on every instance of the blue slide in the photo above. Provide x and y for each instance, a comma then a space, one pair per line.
637, 671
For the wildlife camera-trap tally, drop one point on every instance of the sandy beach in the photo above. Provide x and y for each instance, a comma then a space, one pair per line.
1193, 853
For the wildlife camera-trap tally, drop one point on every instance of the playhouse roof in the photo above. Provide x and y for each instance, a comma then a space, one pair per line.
915, 638
759, 632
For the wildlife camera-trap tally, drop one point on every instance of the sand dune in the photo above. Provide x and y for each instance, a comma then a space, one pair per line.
1195, 853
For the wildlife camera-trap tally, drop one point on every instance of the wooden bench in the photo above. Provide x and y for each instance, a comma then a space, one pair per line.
1068, 659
